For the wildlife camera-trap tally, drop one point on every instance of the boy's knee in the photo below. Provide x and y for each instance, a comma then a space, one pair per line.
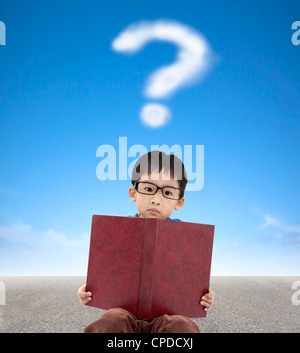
115, 320
116, 313
179, 324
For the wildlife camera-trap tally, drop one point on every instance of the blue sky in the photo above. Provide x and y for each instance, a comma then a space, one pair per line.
64, 92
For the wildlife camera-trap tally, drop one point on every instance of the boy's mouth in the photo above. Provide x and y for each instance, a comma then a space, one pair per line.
153, 210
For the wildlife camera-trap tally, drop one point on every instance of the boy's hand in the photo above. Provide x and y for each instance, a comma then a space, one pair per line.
208, 300
84, 296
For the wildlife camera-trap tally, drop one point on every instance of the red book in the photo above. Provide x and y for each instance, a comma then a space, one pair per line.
148, 266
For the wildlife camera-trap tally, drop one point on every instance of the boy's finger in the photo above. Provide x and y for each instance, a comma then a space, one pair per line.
81, 290
207, 299
210, 294
80, 293
87, 294
85, 300
206, 304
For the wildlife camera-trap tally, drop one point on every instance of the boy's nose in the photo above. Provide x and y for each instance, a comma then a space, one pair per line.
156, 199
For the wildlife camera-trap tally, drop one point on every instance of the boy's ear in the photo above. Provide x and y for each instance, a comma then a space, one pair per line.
179, 203
132, 194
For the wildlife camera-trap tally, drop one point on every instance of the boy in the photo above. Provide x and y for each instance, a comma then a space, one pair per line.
159, 181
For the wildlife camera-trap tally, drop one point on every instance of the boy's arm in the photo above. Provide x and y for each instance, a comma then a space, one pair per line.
84, 296
207, 300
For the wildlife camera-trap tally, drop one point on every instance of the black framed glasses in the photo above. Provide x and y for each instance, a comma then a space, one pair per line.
169, 192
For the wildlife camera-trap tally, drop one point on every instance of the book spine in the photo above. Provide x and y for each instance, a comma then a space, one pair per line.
147, 269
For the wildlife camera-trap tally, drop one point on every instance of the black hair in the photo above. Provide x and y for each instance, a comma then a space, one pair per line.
158, 161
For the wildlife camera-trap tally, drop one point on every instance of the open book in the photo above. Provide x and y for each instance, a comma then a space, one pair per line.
148, 266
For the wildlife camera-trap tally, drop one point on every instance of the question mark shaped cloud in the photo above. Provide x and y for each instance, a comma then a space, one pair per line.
192, 62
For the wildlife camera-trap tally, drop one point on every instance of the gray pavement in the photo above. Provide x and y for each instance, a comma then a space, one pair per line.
242, 304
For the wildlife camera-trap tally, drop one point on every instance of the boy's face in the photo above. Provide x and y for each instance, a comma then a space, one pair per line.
156, 206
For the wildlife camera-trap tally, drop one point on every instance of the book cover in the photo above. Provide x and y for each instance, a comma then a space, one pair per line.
148, 266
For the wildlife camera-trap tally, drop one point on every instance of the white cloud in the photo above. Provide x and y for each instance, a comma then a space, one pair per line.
275, 228
269, 221
294, 230
193, 56
27, 251
293, 233
194, 59
19, 233
155, 115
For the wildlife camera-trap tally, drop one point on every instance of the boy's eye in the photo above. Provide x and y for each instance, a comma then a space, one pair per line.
168, 193
148, 189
